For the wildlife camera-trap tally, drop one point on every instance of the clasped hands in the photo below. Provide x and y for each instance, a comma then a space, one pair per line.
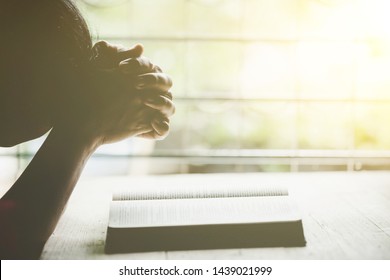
142, 105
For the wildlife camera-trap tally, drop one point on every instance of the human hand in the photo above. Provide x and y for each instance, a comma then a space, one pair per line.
144, 105
107, 56
153, 86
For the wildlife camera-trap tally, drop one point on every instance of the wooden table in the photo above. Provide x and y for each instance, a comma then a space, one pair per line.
345, 216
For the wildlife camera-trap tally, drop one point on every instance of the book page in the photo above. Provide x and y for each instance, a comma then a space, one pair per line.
173, 212
197, 191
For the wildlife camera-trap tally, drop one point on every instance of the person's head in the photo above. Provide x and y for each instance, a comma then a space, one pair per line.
45, 51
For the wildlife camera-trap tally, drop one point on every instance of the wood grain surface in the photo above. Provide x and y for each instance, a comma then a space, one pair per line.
345, 216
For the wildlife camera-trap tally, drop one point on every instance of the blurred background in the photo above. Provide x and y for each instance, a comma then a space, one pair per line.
259, 85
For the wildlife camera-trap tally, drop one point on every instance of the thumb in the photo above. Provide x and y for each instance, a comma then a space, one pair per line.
107, 56
133, 52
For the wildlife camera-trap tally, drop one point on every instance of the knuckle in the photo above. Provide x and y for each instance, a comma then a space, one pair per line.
166, 102
144, 62
162, 80
169, 95
169, 81
135, 62
101, 44
154, 79
165, 105
149, 66
157, 69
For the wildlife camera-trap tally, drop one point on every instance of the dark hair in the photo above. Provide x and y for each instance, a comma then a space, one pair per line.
43, 41
47, 27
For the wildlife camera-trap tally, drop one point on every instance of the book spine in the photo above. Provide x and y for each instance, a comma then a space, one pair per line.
199, 192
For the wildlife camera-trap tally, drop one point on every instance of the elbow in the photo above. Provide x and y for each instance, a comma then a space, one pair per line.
6, 144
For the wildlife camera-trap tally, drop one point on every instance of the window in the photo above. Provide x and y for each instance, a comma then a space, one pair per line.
260, 85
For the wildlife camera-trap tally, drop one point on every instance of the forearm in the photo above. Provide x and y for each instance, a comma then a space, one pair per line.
42, 191
131, 100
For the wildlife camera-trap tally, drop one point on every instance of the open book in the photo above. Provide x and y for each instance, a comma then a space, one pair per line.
209, 217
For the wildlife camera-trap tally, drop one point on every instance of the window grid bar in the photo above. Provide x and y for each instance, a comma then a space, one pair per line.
289, 100
233, 39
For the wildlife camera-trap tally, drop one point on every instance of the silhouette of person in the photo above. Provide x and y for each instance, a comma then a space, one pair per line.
52, 79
